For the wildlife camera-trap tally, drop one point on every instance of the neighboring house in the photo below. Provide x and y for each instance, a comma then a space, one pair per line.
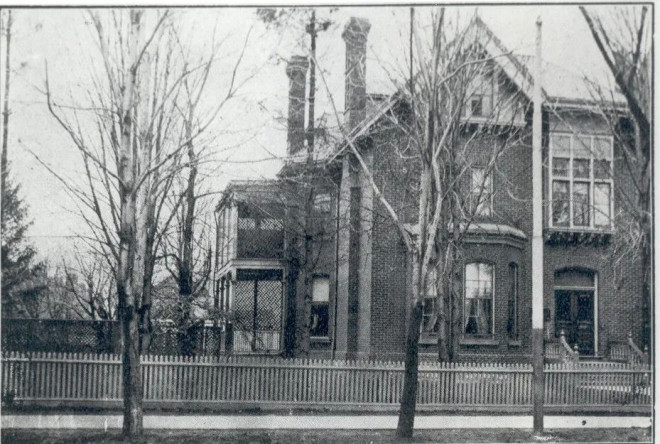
361, 283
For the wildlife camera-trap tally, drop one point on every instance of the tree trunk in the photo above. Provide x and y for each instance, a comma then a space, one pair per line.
405, 426
131, 381
409, 398
186, 260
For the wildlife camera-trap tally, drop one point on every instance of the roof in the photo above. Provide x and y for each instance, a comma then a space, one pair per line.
564, 86
561, 87
253, 191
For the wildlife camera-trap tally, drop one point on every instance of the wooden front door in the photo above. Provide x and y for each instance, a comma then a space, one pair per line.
574, 313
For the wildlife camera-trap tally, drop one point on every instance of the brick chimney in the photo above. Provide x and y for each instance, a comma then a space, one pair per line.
296, 70
355, 35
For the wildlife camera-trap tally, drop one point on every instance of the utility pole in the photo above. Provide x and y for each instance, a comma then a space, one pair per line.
5, 107
537, 242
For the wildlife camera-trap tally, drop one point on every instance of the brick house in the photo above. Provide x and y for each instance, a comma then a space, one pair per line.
361, 279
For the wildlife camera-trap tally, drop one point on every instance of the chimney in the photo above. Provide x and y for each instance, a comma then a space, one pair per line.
296, 70
355, 36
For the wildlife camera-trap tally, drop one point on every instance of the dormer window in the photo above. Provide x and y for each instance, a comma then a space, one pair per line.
581, 181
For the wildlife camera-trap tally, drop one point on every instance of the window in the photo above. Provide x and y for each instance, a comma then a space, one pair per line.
322, 203
481, 192
581, 175
512, 324
430, 322
320, 307
481, 96
479, 299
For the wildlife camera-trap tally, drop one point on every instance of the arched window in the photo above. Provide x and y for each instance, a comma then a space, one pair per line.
479, 292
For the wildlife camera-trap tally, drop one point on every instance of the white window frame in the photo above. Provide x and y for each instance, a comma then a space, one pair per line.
592, 181
465, 299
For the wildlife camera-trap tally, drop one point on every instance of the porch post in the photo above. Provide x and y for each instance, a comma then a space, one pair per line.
537, 243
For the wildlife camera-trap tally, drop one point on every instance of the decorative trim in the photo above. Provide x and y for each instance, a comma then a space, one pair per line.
565, 237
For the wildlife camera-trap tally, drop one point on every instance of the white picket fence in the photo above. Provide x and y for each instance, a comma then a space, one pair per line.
35, 377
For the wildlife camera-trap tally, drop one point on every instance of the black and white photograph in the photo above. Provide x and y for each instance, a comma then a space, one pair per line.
327, 223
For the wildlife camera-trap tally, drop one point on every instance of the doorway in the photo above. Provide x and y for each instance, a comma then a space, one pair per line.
574, 314
575, 309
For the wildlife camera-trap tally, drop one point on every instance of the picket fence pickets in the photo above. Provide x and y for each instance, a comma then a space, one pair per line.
41, 376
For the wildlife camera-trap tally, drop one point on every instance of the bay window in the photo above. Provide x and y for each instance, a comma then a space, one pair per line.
479, 299
581, 181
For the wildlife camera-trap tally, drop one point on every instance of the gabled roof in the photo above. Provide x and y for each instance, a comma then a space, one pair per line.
560, 88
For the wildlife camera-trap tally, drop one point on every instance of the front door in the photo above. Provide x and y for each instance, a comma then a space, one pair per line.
574, 313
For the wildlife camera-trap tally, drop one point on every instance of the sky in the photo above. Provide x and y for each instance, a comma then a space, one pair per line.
250, 131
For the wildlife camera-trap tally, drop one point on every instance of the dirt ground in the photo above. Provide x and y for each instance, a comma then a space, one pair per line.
327, 436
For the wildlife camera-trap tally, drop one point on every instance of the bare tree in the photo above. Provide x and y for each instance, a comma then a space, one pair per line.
623, 37
124, 134
453, 111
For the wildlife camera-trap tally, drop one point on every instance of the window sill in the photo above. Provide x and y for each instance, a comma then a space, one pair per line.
428, 338
320, 339
515, 343
479, 341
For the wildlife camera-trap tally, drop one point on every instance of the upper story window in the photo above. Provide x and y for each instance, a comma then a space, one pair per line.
581, 181
322, 203
481, 95
481, 192
479, 280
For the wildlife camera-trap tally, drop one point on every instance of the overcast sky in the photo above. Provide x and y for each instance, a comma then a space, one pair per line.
255, 135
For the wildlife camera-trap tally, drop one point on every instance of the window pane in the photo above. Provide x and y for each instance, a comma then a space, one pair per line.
602, 169
560, 166
580, 204
479, 319
430, 316
321, 289
560, 203
582, 146
431, 282
477, 105
319, 322
322, 203
602, 204
602, 148
479, 296
581, 168
561, 145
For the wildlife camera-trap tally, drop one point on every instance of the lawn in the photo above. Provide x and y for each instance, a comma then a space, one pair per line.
326, 436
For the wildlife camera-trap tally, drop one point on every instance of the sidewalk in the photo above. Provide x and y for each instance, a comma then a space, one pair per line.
317, 422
